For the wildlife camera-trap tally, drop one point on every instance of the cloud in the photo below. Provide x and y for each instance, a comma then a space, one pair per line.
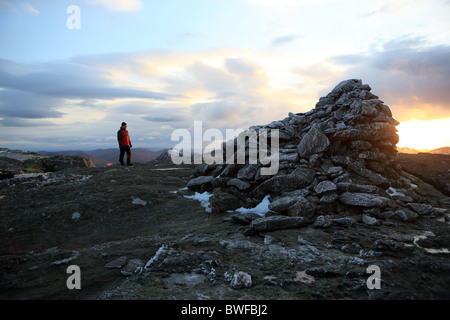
73, 81
223, 88
322, 72
119, 5
18, 104
172, 113
158, 117
222, 110
28, 7
25, 123
289, 3
211, 78
60, 90
241, 67
388, 8
286, 39
410, 74
19, 6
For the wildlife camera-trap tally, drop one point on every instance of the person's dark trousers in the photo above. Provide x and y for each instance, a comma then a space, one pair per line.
122, 153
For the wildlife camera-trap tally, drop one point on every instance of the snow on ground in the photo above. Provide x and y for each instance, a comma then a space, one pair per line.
176, 191
393, 192
261, 209
203, 198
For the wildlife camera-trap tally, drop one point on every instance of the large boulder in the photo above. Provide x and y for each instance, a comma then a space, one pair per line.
58, 163
197, 182
315, 141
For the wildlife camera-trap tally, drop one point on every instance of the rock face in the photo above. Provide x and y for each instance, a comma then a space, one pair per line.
19, 162
431, 168
338, 159
58, 163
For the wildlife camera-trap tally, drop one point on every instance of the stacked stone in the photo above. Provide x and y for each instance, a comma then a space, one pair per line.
336, 160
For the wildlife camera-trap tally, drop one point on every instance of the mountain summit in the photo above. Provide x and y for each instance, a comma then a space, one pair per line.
337, 160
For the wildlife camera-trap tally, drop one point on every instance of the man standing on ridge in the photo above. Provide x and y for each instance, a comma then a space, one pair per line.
124, 144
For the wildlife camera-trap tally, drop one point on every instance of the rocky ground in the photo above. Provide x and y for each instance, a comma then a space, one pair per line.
135, 235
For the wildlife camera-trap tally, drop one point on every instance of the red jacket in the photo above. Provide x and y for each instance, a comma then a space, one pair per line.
123, 138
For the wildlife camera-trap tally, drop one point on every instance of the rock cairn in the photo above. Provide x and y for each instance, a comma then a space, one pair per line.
337, 165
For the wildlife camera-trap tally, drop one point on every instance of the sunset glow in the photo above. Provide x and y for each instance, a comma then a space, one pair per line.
424, 135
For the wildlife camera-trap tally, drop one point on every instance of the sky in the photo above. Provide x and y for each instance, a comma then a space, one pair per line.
68, 78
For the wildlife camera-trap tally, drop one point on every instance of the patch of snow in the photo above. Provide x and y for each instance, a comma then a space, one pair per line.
203, 198
303, 277
431, 250
31, 175
261, 209
74, 256
425, 235
139, 201
393, 192
162, 250
76, 215
185, 188
201, 296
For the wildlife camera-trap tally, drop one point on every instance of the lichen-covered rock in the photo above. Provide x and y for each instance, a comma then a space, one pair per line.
325, 186
241, 280
283, 204
363, 200
302, 208
420, 208
278, 223
199, 181
315, 141
241, 185
132, 266
323, 221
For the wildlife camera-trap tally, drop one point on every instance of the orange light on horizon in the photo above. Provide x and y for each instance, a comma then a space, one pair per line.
424, 135
109, 164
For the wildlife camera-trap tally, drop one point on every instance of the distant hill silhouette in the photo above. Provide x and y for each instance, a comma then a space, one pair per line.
101, 157
443, 150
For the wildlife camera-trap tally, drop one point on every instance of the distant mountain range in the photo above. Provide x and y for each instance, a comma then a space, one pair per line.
443, 150
105, 157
